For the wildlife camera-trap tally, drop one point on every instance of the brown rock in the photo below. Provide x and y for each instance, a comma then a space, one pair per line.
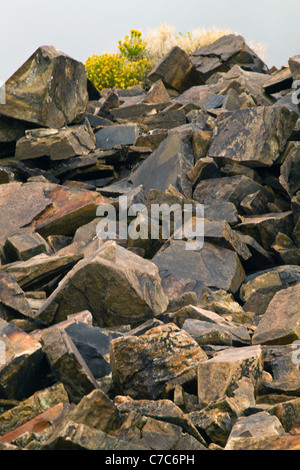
225, 368
134, 295
22, 368
58, 144
280, 322
67, 364
49, 89
142, 365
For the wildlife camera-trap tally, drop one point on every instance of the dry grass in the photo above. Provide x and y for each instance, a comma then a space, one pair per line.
160, 40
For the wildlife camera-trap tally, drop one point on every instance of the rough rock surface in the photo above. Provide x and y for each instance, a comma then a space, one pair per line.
134, 337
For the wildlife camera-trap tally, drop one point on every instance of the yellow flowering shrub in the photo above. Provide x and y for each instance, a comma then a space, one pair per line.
122, 70
133, 47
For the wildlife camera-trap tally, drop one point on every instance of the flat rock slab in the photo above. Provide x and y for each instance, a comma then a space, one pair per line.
23, 368
117, 286
69, 209
142, 365
217, 377
166, 166
280, 322
49, 89
220, 333
108, 137
254, 136
12, 298
212, 266
58, 144
19, 205
40, 268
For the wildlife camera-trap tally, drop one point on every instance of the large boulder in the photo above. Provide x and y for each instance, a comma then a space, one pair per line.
49, 89
116, 285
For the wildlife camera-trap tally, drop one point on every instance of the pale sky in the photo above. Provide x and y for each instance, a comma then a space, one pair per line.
82, 28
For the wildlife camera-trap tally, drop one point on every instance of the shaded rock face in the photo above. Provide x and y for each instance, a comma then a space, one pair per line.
140, 342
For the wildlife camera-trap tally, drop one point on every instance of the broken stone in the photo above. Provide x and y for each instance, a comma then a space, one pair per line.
58, 144
93, 344
184, 271
176, 70
67, 363
25, 246
289, 177
108, 137
223, 54
278, 81
49, 89
169, 165
137, 303
225, 368
264, 228
279, 324
294, 64
23, 369
268, 127
257, 425
142, 365
13, 302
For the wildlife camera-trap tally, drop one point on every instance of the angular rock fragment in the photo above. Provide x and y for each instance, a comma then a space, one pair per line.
33, 406
223, 54
225, 368
280, 322
134, 295
280, 80
24, 246
289, 176
294, 64
261, 425
13, 302
232, 189
23, 367
93, 344
176, 70
264, 228
212, 266
58, 144
49, 89
67, 364
166, 166
255, 136
108, 137
142, 365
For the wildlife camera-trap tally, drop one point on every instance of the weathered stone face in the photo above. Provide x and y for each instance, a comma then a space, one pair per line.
50, 89
141, 365
253, 136
134, 295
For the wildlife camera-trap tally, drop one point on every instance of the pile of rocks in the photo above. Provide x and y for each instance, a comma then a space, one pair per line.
139, 343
